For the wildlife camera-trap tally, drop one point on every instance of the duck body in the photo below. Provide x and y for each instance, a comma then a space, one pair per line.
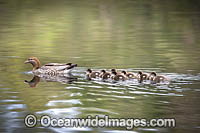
128, 75
53, 69
142, 76
156, 78
105, 75
114, 70
50, 68
92, 74
118, 77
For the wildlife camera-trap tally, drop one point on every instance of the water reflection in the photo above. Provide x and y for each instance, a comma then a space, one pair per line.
161, 36
58, 78
33, 82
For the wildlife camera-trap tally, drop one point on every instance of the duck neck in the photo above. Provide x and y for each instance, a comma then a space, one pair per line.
35, 66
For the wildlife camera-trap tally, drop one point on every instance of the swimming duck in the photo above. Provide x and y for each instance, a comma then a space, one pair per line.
141, 75
50, 68
118, 77
92, 74
104, 75
114, 70
153, 77
128, 74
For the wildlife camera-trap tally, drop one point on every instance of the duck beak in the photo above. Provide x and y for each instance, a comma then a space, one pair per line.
25, 62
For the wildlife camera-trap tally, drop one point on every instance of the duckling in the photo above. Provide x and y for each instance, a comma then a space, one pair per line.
105, 75
153, 77
92, 74
141, 76
50, 68
114, 70
128, 74
118, 77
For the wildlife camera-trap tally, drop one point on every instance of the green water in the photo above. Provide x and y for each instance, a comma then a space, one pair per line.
147, 35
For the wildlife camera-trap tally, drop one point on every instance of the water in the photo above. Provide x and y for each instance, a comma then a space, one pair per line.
132, 35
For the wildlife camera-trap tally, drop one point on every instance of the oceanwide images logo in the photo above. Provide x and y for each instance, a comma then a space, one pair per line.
96, 121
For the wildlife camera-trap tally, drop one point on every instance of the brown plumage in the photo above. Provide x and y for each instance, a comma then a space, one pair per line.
92, 74
114, 70
50, 68
118, 77
142, 76
128, 74
154, 77
105, 75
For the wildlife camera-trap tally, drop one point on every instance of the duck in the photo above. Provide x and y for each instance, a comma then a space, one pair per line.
141, 76
128, 74
114, 70
118, 77
92, 74
50, 68
154, 77
105, 75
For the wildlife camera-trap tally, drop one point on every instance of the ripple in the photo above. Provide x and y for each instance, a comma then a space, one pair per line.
63, 102
65, 112
151, 93
12, 114
93, 86
93, 109
74, 87
76, 94
6, 88
115, 96
119, 131
9, 100
29, 72
14, 106
70, 130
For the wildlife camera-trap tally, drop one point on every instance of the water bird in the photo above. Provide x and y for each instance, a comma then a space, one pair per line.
50, 68
142, 76
105, 75
128, 74
114, 70
92, 74
156, 78
118, 77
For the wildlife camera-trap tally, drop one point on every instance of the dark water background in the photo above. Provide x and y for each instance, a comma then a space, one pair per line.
148, 35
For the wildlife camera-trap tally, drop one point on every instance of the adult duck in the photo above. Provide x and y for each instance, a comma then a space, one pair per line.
50, 68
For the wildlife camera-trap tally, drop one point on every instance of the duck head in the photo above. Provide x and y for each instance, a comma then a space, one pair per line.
114, 73
152, 76
89, 71
113, 70
103, 71
34, 61
124, 72
139, 73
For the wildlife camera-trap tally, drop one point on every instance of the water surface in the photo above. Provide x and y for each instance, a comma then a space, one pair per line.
132, 35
